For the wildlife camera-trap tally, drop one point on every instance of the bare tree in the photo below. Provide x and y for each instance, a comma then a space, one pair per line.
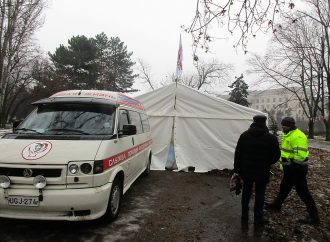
245, 17
145, 73
295, 65
212, 73
209, 74
189, 80
186, 79
18, 22
320, 13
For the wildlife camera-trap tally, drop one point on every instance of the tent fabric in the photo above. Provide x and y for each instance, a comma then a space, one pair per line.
205, 129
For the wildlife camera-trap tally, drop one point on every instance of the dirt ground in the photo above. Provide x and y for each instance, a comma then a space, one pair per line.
283, 226
187, 207
179, 207
199, 207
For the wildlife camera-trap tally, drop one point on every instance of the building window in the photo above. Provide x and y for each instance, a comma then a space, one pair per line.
267, 100
274, 99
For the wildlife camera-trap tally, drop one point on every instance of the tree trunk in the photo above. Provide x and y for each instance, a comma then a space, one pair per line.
327, 128
311, 129
2, 120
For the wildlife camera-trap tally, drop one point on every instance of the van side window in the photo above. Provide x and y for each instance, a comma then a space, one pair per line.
123, 119
136, 120
145, 122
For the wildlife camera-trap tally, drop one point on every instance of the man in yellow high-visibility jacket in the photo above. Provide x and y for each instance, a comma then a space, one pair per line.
294, 158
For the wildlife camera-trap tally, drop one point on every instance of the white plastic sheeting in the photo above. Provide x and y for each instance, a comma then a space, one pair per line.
205, 129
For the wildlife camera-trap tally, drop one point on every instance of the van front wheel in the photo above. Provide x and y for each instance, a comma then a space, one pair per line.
147, 170
114, 200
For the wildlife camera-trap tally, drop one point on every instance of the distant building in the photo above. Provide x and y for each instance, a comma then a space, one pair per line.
280, 103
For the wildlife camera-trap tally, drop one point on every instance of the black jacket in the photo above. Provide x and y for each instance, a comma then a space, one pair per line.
256, 150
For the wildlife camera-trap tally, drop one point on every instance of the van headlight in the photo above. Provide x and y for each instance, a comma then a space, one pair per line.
78, 168
73, 169
4, 181
85, 168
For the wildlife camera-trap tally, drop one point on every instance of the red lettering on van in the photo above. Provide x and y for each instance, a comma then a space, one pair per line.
120, 157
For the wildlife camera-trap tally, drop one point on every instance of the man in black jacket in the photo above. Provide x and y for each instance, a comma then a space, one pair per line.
255, 152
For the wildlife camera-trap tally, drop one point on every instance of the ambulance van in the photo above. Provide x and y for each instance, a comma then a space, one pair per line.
74, 157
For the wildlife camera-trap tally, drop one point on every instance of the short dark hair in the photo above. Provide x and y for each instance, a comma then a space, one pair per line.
288, 122
260, 119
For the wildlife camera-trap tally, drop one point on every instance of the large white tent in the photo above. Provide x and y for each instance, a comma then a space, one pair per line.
204, 129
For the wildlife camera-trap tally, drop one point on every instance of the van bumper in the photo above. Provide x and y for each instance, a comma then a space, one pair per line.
68, 204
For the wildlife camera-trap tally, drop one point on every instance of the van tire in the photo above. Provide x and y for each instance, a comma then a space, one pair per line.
147, 170
114, 202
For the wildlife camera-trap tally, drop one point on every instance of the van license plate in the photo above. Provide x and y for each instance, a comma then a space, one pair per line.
23, 201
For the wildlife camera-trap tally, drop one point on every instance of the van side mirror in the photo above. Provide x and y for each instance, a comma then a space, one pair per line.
129, 129
16, 123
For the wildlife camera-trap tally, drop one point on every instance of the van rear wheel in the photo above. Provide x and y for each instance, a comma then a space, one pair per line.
114, 202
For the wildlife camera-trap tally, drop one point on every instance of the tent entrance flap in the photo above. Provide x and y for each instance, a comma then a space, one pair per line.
171, 162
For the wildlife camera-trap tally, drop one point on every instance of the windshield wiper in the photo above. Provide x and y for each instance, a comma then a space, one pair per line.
25, 129
69, 130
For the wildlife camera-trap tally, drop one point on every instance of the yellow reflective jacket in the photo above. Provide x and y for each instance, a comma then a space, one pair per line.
294, 148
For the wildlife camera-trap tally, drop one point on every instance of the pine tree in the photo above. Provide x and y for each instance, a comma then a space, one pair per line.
114, 64
94, 63
76, 63
239, 92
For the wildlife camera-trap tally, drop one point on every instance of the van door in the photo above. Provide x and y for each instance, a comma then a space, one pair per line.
126, 143
139, 138
146, 132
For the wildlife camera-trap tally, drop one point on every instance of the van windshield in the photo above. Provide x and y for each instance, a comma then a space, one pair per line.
69, 119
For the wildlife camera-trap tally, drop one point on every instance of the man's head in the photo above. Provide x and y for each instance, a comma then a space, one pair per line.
288, 123
259, 120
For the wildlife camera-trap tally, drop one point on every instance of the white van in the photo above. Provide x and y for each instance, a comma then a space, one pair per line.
74, 156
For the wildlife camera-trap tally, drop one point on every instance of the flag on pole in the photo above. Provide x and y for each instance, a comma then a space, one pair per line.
179, 62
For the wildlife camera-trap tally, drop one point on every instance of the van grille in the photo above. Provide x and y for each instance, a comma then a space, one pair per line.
18, 172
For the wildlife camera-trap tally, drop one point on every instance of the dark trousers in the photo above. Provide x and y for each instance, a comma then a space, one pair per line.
260, 187
295, 176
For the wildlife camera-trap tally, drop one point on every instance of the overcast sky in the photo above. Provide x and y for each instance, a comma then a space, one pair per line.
149, 28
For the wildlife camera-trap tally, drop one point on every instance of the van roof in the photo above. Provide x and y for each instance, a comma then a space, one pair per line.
101, 94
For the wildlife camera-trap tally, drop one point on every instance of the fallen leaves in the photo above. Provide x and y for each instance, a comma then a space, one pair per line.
284, 225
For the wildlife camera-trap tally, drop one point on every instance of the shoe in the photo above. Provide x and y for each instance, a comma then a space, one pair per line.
310, 221
272, 207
